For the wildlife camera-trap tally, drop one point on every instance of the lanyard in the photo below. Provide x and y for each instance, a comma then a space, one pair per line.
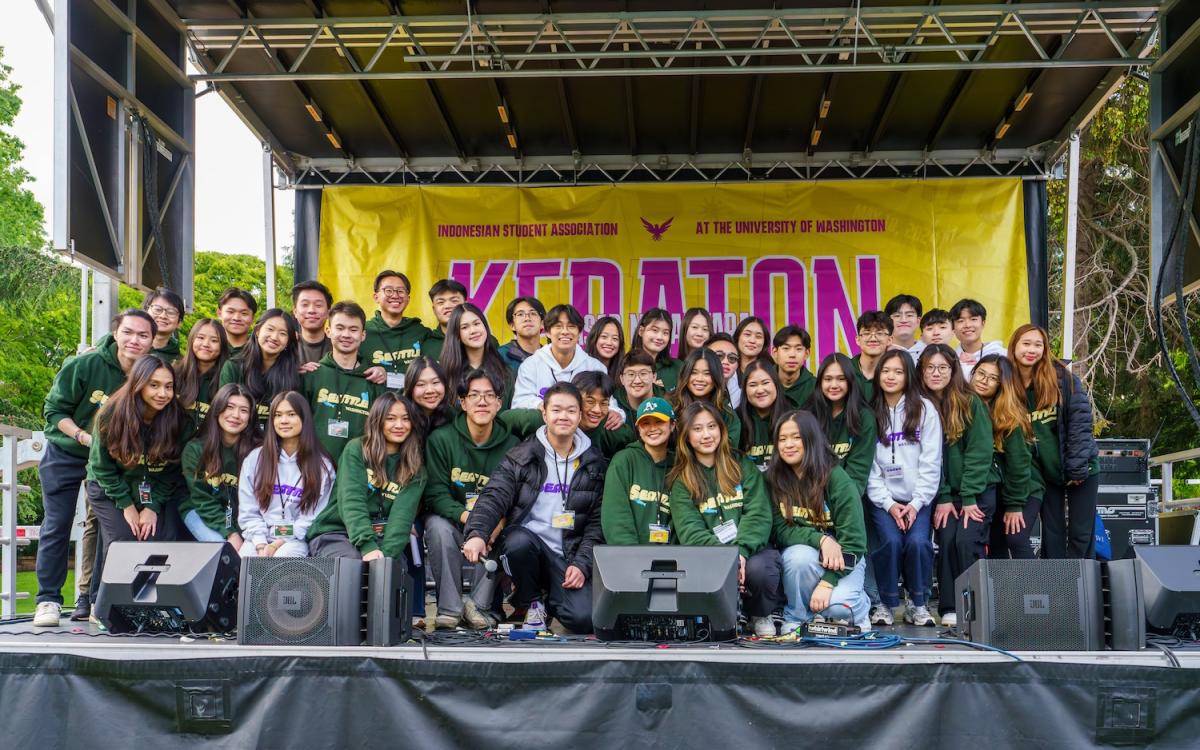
562, 485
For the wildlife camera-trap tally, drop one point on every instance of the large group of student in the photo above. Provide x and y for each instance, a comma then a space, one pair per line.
322, 432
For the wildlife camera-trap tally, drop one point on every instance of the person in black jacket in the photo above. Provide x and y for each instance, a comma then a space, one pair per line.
546, 496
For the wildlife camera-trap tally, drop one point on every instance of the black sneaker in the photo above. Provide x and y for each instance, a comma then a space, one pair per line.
82, 611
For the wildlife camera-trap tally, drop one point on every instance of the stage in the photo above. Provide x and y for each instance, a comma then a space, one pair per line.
74, 686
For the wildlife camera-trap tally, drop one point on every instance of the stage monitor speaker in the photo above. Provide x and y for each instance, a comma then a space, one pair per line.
389, 602
1032, 605
660, 593
293, 601
1165, 583
168, 587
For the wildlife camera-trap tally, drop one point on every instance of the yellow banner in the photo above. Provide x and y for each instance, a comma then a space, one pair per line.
813, 254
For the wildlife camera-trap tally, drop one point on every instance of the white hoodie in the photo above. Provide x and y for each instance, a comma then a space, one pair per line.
541, 370
540, 519
258, 526
920, 462
968, 361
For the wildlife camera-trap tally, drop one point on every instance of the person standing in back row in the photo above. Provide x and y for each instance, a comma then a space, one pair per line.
236, 310
311, 301
392, 341
166, 307
445, 296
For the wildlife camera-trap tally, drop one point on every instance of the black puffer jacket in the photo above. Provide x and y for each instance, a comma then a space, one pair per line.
513, 488
1076, 444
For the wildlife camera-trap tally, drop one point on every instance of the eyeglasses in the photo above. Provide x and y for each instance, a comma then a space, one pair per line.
564, 327
393, 291
937, 369
481, 397
986, 379
873, 336
169, 313
525, 315
637, 376
726, 356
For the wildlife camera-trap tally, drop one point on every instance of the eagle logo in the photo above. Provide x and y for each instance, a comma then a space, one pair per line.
657, 230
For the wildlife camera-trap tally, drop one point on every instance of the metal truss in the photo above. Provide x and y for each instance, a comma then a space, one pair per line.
314, 173
766, 41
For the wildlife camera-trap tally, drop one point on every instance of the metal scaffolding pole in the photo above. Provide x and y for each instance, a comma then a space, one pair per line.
1068, 342
269, 221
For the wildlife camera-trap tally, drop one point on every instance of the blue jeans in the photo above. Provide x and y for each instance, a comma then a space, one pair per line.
909, 551
199, 529
802, 571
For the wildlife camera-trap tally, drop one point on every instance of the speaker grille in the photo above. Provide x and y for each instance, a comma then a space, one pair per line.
1036, 605
289, 601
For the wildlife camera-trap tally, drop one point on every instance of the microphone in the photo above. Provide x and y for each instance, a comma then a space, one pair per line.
490, 566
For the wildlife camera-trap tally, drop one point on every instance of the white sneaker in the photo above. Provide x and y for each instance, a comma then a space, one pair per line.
864, 625
47, 615
477, 619
535, 617
949, 619
881, 614
763, 626
917, 615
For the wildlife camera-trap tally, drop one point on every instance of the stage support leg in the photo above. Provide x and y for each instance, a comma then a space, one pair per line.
269, 222
1068, 343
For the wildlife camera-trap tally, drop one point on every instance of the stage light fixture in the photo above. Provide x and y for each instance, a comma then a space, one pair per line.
1023, 99
1003, 129
313, 111
825, 107
503, 110
512, 141
333, 139
816, 137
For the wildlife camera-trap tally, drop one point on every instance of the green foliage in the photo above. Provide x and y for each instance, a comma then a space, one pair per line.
21, 216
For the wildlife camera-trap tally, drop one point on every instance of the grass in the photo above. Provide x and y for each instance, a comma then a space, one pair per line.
27, 581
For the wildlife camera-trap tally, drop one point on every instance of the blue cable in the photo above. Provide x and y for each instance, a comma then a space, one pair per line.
972, 644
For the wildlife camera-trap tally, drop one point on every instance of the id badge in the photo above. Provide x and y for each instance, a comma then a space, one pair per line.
659, 534
378, 525
471, 498
726, 532
563, 520
339, 428
893, 471
395, 381
229, 516
284, 530
144, 492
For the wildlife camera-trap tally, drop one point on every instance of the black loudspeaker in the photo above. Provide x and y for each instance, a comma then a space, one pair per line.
662, 593
1032, 605
1159, 588
168, 587
301, 601
389, 604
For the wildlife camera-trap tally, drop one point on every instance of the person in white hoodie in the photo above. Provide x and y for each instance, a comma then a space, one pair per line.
284, 483
557, 362
902, 485
968, 318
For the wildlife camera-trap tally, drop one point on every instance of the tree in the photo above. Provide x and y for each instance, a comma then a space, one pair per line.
21, 216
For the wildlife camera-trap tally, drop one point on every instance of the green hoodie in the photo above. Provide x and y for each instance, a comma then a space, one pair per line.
842, 518
667, 371
868, 387
967, 462
458, 469
623, 401
82, 385
340, 400
749, 508
393, 347
800, 391
122, 484
169, 352
433, 342
855, 453
525, 422
635, 496
373, 518
232, 373
198, 410
762, 444
1014, 472
733, 425
214, 498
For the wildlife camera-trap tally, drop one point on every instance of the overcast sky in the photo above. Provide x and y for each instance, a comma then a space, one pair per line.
228, 157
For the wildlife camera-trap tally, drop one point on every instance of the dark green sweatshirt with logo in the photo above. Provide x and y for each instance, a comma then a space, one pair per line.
841, 517
214, 498
376, 513
432, 344
458, 469
232, 373
636, 496
340, 400
800, 391
667, 370
967, 462
198, 409
748, 507
1014, 473
123, 484
392, 347
868, 386
761, 446
525, 422
82, 385
168, 352
855, 453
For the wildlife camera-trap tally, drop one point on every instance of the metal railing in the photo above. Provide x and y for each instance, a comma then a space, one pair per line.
1168, 501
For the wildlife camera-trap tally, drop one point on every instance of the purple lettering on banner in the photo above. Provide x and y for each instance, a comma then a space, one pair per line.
836, 314
582, 271
529, 271
868, 282
662, 284
463, 271
762, 298
715, 270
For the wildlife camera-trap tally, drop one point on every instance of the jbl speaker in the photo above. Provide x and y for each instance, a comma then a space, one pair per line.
389, 602
309, 601
1160, 589
1032, 605
168, 587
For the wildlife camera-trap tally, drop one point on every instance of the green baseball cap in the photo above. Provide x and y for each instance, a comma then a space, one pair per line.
657, 408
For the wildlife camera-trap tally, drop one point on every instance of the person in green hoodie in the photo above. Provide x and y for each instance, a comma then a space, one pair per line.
83, 384
702, 379
595, 419
965, 492
444, 295
1019, 485
378, 489
338, 391
270, 363
718, 498
134, 480
212, 463
166, 307
846, 419
790, 351
653, 336
817, 521
393, 341
459, 458
196, 373
236, 310
874, 333
637, 383
636, 508
761, 408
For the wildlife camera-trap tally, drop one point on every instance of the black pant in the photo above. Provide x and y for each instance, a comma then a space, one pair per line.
333, 544
60, 474
113, 527
1002, 546
535, 568
764, 583
959, 548
1069, 520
